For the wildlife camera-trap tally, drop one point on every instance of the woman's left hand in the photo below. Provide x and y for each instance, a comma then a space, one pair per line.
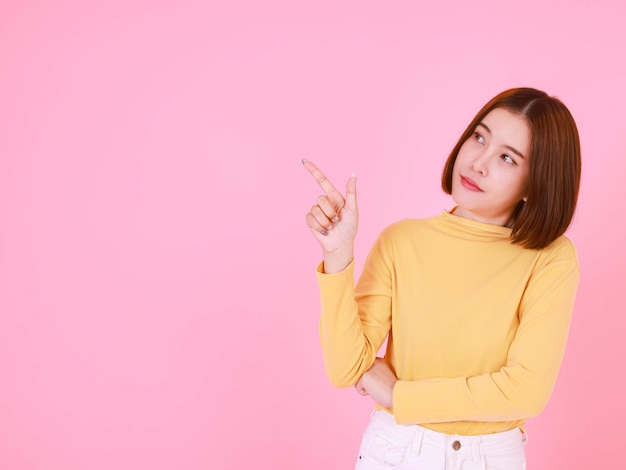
378, 383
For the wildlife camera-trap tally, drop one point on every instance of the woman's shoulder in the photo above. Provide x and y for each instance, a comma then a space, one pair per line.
408, 231
409, 226
561, 248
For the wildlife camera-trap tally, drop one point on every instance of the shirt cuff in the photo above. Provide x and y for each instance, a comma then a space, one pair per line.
319, 271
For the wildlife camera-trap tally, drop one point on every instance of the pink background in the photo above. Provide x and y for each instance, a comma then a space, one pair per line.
158, 306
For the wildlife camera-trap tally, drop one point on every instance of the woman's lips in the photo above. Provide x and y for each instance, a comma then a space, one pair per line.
470, 184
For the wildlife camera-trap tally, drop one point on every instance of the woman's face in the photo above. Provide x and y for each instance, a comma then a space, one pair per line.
490, 174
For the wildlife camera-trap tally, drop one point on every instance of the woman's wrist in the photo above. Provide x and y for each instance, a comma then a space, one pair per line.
337, 261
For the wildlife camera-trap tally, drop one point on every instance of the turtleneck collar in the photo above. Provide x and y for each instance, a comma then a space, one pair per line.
476, 228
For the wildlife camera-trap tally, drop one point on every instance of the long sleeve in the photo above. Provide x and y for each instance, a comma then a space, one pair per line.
521, 388
354, 322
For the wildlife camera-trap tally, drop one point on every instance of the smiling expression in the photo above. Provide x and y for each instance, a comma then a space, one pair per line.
490, 174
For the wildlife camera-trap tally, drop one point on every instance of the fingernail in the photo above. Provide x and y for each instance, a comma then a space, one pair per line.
324, 232
303, 161
335, 219
354, 175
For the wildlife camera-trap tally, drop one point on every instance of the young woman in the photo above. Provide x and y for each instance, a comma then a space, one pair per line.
475, 302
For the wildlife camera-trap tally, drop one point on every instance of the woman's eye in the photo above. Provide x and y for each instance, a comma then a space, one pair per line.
507, 159
479, 138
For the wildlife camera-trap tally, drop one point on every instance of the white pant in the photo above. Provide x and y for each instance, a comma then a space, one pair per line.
389, 445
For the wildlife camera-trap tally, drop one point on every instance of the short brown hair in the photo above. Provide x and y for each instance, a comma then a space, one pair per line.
554, 165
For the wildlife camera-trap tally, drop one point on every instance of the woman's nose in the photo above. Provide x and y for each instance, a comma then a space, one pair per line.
481, 163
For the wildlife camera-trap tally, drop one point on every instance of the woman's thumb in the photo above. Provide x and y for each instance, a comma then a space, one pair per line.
351, 192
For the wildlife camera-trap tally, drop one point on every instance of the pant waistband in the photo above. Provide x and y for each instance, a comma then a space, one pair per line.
477, 446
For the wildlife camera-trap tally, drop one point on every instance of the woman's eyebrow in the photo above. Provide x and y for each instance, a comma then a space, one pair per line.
485, 126
515, 151
512, 149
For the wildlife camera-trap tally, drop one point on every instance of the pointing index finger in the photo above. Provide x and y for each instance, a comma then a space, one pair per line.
324, 182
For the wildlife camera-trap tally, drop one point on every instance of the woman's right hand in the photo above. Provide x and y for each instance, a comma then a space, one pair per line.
333, 220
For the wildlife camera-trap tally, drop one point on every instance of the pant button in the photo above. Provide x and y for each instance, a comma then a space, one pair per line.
456, 445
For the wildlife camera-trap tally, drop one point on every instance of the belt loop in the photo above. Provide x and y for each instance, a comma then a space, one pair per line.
524, 435
476, 454
418, 437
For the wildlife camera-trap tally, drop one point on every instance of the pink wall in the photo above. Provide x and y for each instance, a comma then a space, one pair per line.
158, 307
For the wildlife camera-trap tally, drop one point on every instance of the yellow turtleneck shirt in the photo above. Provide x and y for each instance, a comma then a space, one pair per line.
476, 325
